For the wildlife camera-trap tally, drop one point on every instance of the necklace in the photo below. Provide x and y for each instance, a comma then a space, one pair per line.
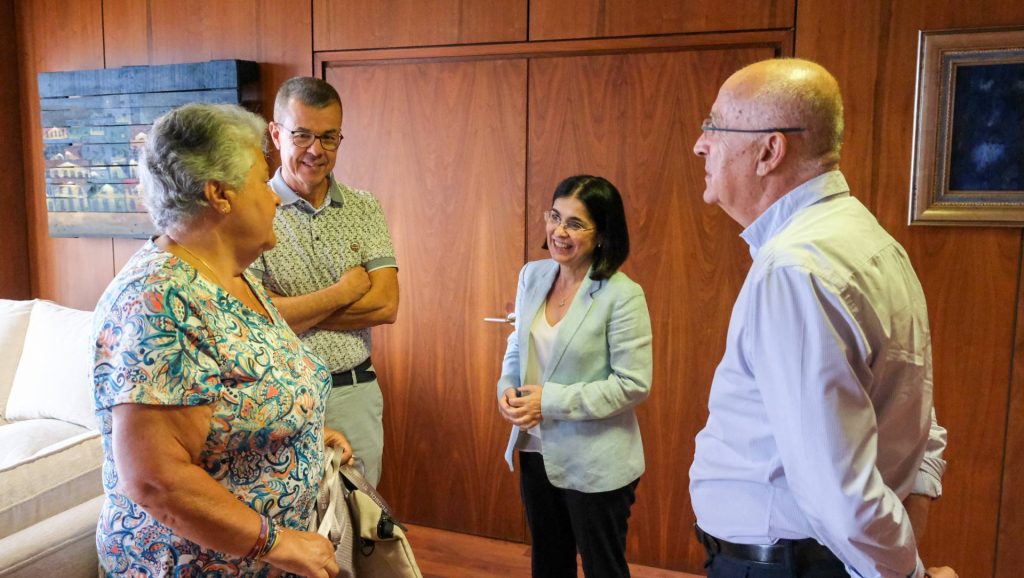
250, 294
216, 277
570, 292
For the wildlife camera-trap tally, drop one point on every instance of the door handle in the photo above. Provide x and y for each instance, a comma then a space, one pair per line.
510, 319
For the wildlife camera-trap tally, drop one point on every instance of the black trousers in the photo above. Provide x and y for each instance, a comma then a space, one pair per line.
722, 566
562, 521
803, 559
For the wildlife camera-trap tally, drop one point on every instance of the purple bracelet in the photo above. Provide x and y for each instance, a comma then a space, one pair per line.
261, 540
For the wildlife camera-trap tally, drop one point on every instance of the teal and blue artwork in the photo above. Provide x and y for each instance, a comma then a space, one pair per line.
94, 123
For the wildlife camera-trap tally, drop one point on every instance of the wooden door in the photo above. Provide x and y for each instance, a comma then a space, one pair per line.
633, 118
443, 146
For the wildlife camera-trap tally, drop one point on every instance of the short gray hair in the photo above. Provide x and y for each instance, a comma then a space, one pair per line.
189, 146
308, 90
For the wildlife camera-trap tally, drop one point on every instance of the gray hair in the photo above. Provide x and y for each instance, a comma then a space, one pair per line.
189, 146
308, 90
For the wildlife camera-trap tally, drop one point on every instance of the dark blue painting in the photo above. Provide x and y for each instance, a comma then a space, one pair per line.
987, 150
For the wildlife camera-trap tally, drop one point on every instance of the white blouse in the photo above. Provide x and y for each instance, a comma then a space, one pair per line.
542, 344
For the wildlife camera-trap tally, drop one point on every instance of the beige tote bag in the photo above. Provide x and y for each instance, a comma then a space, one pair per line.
378, 547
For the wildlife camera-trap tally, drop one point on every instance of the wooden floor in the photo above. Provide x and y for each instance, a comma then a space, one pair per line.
442, 554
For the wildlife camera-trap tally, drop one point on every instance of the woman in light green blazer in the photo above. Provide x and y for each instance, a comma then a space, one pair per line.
577, 364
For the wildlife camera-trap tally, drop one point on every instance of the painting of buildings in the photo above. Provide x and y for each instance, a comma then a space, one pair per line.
94, 126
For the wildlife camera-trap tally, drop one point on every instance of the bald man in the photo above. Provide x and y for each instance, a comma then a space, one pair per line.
821, 450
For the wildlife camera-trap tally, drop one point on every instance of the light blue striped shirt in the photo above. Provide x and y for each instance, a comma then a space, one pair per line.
821, 418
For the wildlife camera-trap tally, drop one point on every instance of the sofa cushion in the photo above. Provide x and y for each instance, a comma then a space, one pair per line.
21, 440
53, 379
13, 323
65, 475
63, 545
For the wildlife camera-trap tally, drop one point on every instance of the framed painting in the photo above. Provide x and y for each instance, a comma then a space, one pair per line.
94, 123
968, 160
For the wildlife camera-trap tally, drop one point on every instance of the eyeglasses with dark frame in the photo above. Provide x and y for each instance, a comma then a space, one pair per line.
709, 126
571, 226
304, 139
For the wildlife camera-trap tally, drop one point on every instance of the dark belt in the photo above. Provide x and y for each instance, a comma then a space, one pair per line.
803, 552
358, 374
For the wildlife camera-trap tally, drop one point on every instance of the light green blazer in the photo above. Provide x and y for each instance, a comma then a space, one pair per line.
599, 371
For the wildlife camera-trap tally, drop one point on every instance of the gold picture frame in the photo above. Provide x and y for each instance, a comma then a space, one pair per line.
968, 151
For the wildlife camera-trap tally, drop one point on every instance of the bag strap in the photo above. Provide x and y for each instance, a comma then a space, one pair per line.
354, 480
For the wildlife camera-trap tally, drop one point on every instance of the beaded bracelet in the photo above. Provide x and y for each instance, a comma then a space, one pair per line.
270, 542
262, 539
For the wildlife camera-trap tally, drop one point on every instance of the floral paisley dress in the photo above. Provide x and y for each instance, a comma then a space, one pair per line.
167, 336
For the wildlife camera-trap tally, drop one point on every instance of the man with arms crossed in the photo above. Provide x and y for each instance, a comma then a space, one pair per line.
821, 451
333, 272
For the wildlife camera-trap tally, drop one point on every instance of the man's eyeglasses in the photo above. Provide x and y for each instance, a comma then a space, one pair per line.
330, 141
709, 125
571, 226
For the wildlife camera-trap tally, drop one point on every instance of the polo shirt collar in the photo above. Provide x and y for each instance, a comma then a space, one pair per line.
290, 197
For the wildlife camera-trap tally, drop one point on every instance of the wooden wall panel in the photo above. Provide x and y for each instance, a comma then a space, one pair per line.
14, 269
349, 24
443, 147
634, 119
969, 278
73, 272
969, 274
553, 19
275, 33
1009, 554
123, 250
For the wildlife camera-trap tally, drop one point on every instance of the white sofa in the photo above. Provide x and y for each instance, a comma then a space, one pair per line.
50, 451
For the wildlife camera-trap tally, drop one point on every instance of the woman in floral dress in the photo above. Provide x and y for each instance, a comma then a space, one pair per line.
211, 409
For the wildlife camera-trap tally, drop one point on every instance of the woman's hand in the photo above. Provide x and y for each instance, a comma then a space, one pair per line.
503, 405
335, 439
523, 411
303, 553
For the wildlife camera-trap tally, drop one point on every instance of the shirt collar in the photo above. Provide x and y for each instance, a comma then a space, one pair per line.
778, 215
290, 197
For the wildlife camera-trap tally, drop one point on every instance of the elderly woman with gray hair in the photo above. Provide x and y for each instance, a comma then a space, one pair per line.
211, 409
